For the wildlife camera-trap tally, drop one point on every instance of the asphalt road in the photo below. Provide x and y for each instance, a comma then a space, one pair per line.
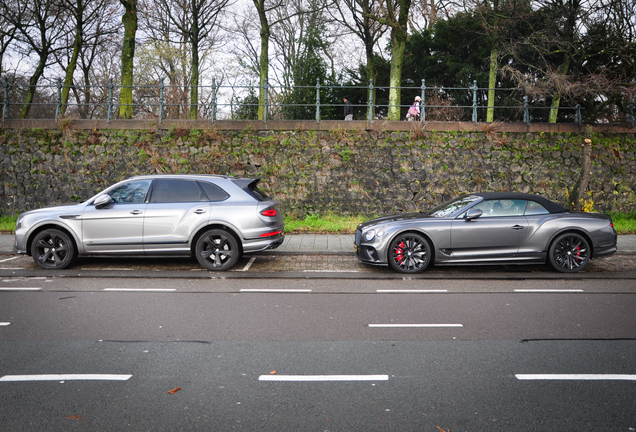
323, 355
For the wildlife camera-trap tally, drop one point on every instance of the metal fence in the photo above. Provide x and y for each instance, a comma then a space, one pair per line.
160, 101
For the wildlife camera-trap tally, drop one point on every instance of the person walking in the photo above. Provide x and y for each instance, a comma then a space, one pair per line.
414, 110
348, 109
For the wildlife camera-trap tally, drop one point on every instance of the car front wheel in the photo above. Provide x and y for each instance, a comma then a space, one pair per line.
52, 249
217, 250
569, 253
409, 253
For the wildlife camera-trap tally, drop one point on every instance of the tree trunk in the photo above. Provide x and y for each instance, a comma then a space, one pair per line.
70, 69
556, 101
127, 58
371, 75
398, 38
492, 83
194, 73
263, 69
39, 70
579, 190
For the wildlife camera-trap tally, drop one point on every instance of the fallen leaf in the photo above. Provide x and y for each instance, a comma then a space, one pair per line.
272, 373
74, 417
173, 391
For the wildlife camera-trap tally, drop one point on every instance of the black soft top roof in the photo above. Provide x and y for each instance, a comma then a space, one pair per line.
550, 206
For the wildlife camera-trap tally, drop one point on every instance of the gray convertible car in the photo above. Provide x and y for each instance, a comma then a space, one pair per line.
215, 218
487, 228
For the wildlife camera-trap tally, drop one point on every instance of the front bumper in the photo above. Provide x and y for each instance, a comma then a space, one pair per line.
366, 253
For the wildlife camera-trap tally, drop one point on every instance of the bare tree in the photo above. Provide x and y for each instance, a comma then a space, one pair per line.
356, 15
38, 28
195, 21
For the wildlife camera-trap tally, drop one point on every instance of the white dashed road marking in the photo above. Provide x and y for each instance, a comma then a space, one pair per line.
68, 377
582, 377
4, 324
323, 378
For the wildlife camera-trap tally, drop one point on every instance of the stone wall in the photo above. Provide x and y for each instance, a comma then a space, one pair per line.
344, 171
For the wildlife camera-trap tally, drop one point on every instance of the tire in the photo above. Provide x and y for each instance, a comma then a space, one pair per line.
217, 250
409, 253
569, 253
53, 249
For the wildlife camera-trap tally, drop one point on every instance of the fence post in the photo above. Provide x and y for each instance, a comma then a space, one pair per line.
423, 104
5, 108
213, 101
475, 101
370, 102
577, 117
630, 111
265, 101
58, 109
317, 100
526, 111
161, 100
110, 99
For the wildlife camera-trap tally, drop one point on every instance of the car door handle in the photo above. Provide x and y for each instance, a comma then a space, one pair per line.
517, 227
199, 211
136, 212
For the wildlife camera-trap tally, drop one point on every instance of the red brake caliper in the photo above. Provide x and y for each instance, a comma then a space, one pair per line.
399, 252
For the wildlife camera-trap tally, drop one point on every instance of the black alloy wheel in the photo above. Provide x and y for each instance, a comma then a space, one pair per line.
217, 250
569, 253
52, 249
409, 253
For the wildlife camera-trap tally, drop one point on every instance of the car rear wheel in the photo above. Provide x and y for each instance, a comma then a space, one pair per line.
52, 249
217, 250
409, 253
569, 253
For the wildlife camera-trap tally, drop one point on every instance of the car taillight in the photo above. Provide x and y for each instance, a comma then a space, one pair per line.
612, 224
269, 212
269, 234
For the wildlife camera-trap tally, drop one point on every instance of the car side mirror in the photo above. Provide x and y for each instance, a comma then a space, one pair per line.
102, 201
473, 214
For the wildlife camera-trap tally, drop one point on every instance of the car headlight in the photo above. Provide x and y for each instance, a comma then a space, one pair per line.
368, 236
19, 222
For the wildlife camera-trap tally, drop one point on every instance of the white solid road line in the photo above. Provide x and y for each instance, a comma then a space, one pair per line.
67, 377
275, 290
4, 324
583, 377
9, 259
400, 291
548, 290
249, 264
323, 378
19, 289
141, 289
416, 325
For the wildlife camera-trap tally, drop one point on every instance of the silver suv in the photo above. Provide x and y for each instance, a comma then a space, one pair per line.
215, 218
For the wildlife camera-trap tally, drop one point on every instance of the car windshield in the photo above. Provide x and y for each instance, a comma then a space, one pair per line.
452, 206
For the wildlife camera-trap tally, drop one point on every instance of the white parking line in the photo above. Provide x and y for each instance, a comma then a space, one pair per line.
330, 271
69, 377
397, 291
583, 377
323, 378
4, 324
249, 264
416, 325
142, 289
275, 290
19, 289
549, 290
9, 259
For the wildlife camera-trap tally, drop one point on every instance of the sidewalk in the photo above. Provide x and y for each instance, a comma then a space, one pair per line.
329, 244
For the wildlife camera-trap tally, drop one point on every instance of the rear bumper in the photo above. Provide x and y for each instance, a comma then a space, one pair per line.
261, 244
605, 251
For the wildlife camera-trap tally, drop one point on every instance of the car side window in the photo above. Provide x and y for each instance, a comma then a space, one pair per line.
534, 208
214, 192
170, 191
498, 208
130, 193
